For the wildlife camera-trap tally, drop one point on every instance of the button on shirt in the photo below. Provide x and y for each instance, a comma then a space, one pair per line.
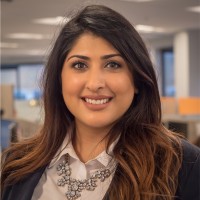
47, 187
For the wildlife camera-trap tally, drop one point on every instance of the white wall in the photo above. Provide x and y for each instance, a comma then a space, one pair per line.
194, 62
187, 63
181, 64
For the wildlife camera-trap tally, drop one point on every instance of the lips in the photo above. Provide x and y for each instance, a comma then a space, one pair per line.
96, 100
92, 101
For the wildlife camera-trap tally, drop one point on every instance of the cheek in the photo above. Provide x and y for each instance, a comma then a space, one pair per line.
124, 90
69, 90
124, 86
70, 84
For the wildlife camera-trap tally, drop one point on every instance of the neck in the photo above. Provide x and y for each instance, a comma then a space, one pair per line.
89, 142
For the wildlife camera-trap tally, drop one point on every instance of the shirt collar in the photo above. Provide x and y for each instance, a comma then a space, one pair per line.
104, 158
65, 148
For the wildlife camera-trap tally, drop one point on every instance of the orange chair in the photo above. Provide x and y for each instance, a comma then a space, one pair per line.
189, 106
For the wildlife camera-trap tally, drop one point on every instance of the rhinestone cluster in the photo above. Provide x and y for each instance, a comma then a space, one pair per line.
75, 187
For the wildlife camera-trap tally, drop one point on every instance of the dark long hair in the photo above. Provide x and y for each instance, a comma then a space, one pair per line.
148, 155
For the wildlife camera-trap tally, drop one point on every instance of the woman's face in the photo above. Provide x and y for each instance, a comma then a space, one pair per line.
97, 85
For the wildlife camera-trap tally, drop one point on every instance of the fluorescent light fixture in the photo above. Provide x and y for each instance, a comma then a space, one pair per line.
35, 52
8, 45
194, 9
51, 21
148, 29
138, 1
28, 36
28, 52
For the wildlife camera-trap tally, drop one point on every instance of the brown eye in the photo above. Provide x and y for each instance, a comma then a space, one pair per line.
79, 65
113, 65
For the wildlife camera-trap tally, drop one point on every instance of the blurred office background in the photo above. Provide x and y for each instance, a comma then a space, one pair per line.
170, 28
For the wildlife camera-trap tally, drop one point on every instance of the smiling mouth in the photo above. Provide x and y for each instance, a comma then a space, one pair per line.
97, 101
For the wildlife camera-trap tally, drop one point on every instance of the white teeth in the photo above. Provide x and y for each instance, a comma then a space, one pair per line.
97, 102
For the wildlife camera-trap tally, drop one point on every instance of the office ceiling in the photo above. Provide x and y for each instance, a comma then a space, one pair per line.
17, 16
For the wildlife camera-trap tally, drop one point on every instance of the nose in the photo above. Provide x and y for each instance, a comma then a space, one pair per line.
95, 80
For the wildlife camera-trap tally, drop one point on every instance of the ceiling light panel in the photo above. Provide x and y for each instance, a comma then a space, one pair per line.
25, 36
8, 45
51, 21
149, 29
138, 1
194, 9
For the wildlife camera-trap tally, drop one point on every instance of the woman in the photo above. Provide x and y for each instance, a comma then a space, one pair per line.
102, 136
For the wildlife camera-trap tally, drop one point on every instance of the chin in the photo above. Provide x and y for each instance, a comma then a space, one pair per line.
100, 125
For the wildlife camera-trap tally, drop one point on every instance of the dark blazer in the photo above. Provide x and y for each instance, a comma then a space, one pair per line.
188, 188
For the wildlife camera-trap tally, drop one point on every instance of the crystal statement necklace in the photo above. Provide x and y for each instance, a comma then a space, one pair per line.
75, 187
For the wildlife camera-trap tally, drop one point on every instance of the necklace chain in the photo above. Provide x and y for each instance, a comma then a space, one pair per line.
75, 187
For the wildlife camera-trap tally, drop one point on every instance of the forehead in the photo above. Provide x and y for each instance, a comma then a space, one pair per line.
91, 43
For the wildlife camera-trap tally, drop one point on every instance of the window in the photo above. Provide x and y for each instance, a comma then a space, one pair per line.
168, 87
25, 78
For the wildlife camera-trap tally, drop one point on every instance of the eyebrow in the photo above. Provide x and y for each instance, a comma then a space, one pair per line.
88, 58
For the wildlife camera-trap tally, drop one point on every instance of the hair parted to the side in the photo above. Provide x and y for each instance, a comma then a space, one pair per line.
149, 155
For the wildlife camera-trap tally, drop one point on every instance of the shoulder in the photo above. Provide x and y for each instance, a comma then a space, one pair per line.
191, 152
189, 174
190, 159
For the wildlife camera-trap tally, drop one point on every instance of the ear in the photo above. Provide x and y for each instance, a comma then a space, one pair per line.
136, 90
